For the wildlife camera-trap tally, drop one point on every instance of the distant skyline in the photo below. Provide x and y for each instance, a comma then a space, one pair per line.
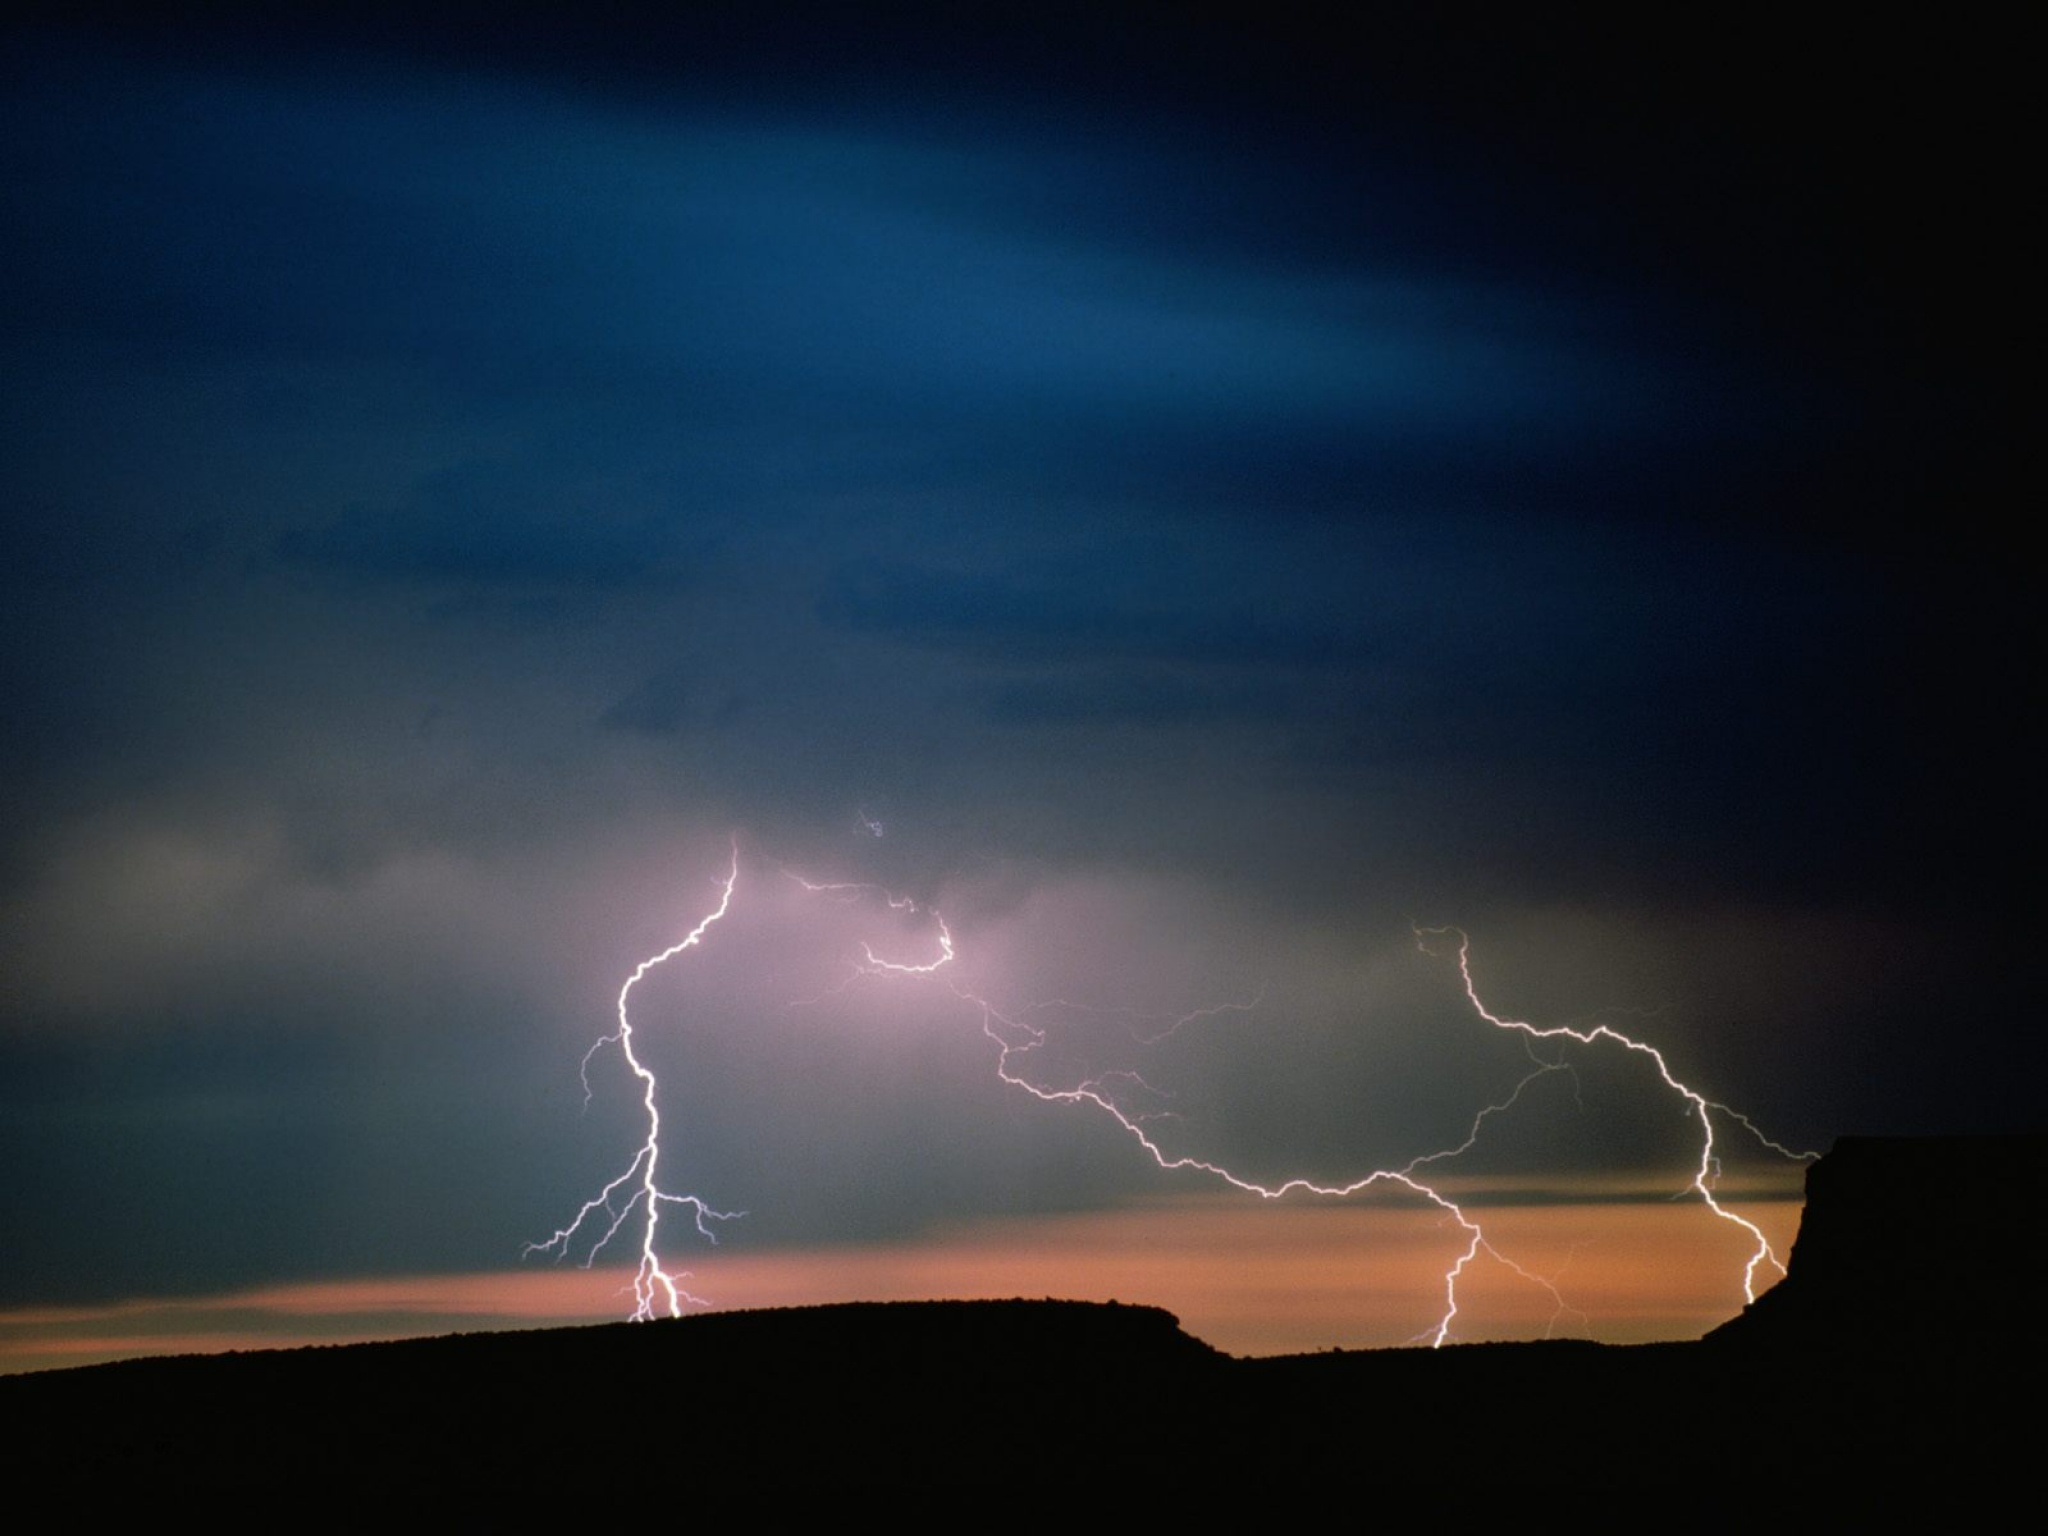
1188, 502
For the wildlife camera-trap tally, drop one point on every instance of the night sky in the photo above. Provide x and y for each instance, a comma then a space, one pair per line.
1214, 495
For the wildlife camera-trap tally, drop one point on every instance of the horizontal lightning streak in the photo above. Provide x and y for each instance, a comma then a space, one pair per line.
1015, 1037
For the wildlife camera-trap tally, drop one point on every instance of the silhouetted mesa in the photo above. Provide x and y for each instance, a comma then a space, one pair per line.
1910, 1243
1893, 1356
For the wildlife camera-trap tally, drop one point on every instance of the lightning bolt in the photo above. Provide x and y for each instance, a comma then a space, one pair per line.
652, 1284
1014, 1037
1702, 1108
1016, 1040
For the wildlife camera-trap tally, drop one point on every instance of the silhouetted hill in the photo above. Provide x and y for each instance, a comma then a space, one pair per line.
1889, 1363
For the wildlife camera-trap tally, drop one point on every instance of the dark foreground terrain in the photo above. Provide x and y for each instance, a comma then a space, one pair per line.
1902, 1353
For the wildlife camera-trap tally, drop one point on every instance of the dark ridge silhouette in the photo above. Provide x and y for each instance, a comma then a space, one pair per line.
1899, 1354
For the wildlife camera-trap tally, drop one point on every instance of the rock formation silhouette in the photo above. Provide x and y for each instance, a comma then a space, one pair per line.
1900, 1354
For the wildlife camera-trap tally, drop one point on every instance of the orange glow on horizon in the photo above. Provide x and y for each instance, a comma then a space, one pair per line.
1249, 1279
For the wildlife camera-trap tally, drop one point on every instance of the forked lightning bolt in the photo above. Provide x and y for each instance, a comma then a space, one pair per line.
1015, 1039
652, 1284
1702, 1108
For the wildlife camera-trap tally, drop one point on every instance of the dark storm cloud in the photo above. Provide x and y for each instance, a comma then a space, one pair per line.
1129, 695
702, 254
1105, 607
484, 526
653, 338
1502, 478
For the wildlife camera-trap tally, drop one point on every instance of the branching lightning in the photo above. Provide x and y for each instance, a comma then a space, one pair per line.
1703, 1108
652, 1284
1016, 1041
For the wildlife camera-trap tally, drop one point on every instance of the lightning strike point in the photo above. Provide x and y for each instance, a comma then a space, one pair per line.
638, 1188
